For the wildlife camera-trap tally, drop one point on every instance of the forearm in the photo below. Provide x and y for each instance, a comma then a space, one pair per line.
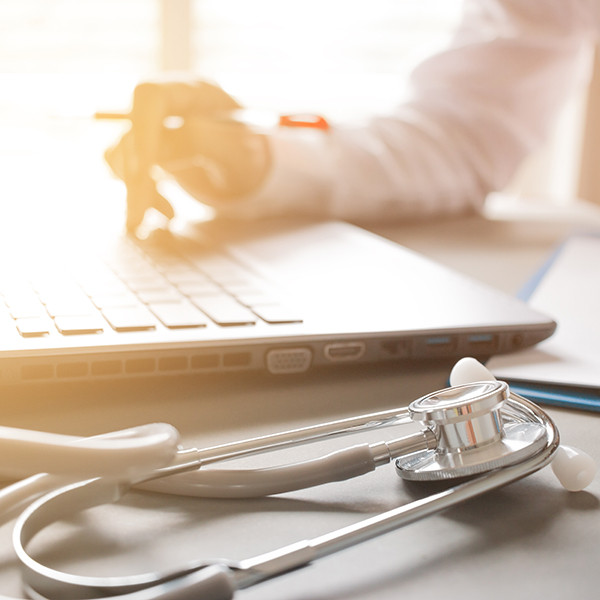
477, 110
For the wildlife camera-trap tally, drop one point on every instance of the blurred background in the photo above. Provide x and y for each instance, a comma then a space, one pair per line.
61, 60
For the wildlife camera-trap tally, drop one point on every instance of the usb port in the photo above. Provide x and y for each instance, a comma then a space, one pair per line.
482, 343
435, 345
439, 340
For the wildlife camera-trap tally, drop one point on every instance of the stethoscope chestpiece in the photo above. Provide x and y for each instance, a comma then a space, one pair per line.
472, 437
464, 416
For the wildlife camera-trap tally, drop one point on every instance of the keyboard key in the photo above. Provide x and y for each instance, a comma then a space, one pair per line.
223, 269
200, 288
215, 264
33, 327
276, 313
23, 303
185, 275
145, 283
178, 315
70, 307
252, 299
224, 310
129, 319
135, 268
51, 286
27, 310
15, 297
164, 295
103, 285
76, 325
124, 299
247, 287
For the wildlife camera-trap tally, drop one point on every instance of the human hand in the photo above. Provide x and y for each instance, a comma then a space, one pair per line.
210, 158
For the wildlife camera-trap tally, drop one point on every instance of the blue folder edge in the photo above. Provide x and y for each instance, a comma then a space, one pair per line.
562, 396
529, 287
566, 396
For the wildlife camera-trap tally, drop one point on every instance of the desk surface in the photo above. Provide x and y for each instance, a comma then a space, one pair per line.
530, 539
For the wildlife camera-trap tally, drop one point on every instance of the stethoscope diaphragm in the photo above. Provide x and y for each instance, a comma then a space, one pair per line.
473, 436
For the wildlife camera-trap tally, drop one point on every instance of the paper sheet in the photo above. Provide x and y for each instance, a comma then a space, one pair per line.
567, 289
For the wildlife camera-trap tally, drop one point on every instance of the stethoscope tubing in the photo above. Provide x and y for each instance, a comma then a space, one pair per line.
221, 578
303, 435
127, 453
132, 453
340, 465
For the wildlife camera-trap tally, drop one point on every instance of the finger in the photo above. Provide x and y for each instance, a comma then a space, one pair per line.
139, 199
138, 195
115, 159
147, 115
162, 205
140, 186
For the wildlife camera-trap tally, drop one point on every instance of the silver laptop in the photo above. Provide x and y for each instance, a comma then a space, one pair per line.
284, 297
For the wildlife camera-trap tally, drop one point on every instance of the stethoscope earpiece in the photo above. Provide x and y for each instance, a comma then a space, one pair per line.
573, 468
469, 370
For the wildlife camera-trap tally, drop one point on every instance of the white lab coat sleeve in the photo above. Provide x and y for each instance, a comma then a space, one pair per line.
475, 111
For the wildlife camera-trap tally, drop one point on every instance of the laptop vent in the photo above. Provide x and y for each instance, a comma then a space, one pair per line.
128, 367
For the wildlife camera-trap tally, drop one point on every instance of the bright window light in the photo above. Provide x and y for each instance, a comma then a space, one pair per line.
270, 51
61, 60
329, 55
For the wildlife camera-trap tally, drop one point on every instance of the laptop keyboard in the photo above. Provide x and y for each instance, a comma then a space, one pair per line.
135, 289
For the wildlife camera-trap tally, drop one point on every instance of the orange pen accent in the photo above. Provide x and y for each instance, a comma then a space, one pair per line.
309, 121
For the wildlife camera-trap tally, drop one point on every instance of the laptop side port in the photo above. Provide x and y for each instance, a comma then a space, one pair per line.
395, 348
435, 345
288, 360
482, 343
344, 351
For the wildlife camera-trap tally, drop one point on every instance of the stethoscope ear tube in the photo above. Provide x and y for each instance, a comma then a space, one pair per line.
215, 582
256, 483
340, 465
124, 453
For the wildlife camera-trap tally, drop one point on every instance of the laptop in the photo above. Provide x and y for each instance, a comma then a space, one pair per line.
279, 296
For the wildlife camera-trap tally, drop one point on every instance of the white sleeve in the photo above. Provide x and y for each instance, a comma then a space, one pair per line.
476, 110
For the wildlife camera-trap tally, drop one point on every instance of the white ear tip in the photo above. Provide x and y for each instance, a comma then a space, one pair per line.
468, 370
573, 468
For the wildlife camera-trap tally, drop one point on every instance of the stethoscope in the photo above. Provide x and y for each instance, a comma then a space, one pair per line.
476, 432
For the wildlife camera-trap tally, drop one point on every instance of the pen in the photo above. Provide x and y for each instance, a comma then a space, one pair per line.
241, 116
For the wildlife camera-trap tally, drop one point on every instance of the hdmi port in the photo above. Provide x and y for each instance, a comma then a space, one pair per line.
339, 351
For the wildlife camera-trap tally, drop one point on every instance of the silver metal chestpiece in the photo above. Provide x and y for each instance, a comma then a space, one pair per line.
463, 417
472, 435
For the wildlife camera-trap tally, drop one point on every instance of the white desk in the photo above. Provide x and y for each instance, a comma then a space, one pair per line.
529, 540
